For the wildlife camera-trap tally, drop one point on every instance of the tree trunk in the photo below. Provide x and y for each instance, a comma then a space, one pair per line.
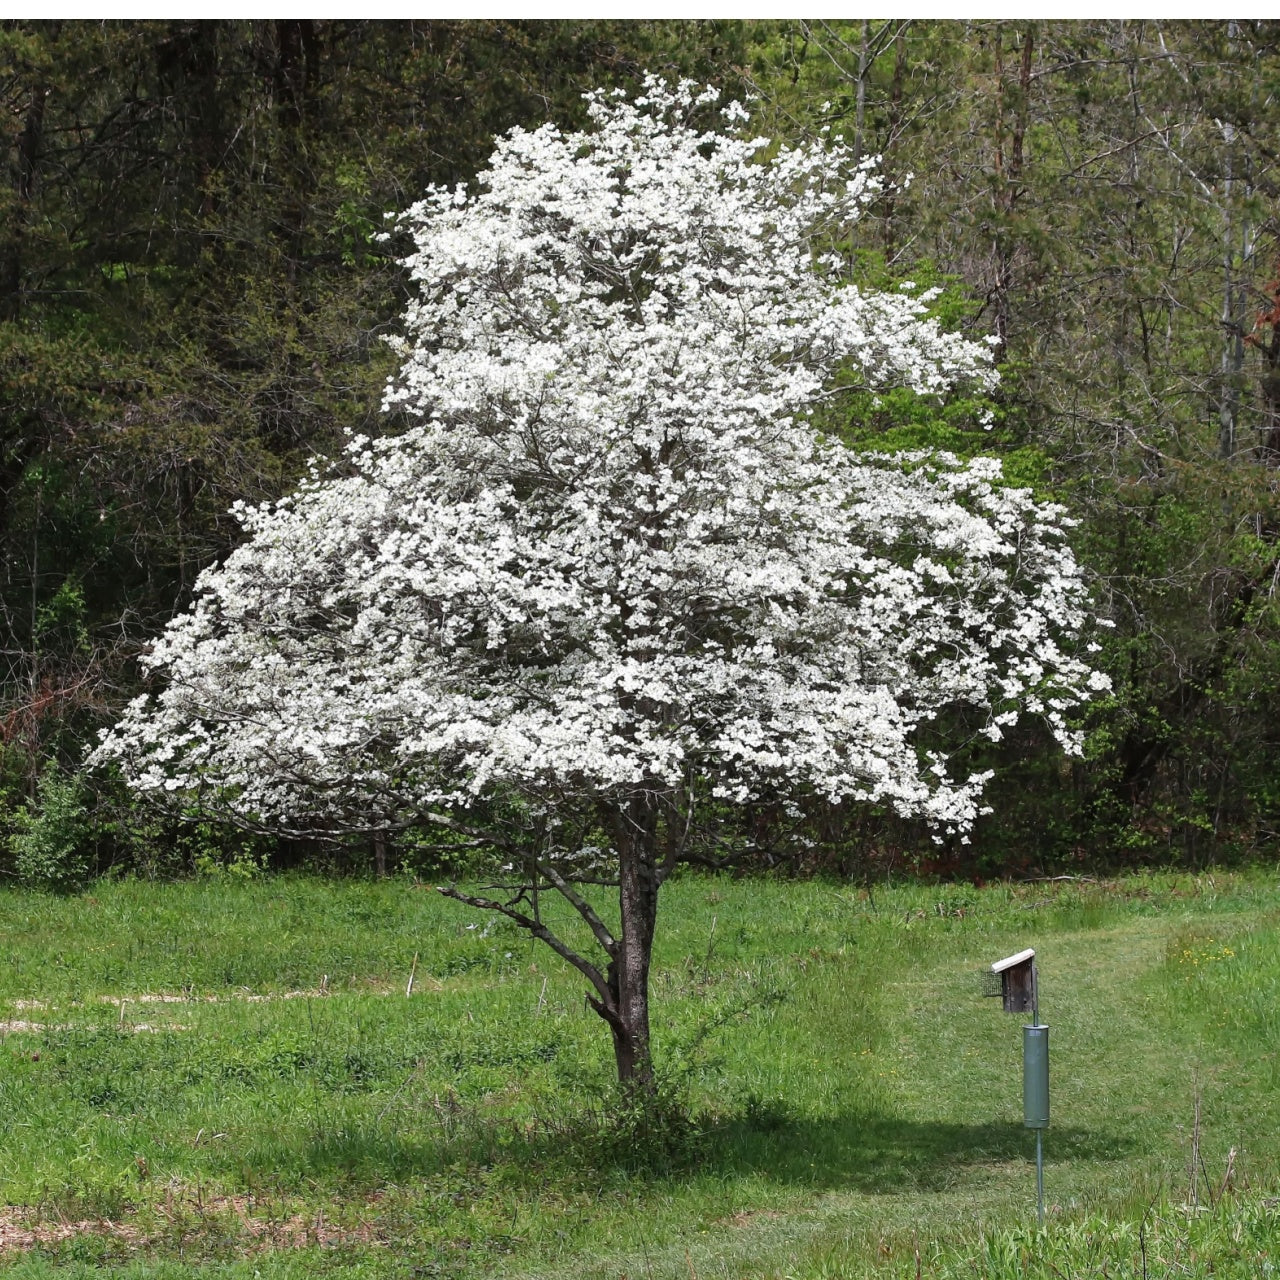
1008, 177
634, 828
1266, 338
891, 141
27, 150
860, 114
296, 73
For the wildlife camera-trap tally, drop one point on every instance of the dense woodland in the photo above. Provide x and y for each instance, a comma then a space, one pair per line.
194, 289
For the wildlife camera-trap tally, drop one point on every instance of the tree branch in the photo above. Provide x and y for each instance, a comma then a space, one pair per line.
582, 907
539, 931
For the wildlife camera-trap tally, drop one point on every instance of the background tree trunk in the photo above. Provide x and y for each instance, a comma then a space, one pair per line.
26, 153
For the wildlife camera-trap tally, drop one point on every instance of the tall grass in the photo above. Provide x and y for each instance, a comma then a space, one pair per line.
1236, 1239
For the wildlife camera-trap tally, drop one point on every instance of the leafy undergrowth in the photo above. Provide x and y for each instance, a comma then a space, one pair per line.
228, 1078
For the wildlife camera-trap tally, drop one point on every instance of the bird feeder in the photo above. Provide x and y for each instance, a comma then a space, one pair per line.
1019, 989
1035, 1077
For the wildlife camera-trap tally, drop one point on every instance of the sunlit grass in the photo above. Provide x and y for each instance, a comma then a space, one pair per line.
287, 1108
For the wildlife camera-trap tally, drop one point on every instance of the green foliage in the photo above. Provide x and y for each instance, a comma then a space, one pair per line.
60, 623
52, 841
215, 852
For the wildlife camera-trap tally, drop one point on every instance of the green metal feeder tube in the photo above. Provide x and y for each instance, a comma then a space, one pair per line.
1035, 1098
1035, 1077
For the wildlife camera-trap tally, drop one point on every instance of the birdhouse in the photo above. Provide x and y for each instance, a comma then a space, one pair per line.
1017, 975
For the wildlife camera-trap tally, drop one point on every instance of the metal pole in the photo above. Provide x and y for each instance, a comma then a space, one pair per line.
1040, 1176
1035, 1013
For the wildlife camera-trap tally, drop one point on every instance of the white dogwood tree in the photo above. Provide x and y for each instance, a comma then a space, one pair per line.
609, 573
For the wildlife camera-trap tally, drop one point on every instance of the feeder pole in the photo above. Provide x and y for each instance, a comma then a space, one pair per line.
1030, 1082
1040, 1177
1035, 1017
1020, 989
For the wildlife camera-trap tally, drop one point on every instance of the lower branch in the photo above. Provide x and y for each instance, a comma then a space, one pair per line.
581, 906
541, 932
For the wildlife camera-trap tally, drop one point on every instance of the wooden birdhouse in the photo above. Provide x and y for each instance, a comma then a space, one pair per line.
1017, 975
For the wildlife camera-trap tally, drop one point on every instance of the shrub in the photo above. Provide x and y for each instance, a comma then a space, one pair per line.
53, 841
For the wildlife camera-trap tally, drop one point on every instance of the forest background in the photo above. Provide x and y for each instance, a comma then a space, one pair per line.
193, 294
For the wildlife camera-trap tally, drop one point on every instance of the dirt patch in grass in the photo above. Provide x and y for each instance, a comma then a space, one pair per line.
19, 1230
23, 1229
18, 1025
234, 997
294, 1231
745, 1217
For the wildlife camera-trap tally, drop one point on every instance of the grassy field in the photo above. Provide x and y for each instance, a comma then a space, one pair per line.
227, 1079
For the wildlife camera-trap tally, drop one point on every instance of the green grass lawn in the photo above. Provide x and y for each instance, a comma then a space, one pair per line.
286, 1110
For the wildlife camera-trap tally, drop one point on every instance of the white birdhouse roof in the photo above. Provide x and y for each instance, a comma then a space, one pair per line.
1009, 961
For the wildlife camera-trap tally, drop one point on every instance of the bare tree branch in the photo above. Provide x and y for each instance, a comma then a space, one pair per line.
539, 931
581, 906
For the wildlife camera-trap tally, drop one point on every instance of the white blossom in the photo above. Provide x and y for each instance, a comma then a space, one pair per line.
609, 551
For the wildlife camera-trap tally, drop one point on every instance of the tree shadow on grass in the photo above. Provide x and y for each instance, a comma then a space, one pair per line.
868, 1152
875, 1153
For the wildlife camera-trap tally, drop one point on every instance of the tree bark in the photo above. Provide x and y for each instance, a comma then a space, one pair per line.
860, 114
296, 75
1008, 174
1266, 338
895, 128
634, 829
26, 152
